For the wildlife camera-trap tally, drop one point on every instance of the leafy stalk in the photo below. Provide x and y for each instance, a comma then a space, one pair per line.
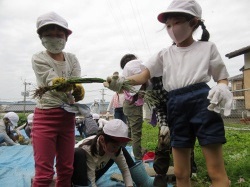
38, 93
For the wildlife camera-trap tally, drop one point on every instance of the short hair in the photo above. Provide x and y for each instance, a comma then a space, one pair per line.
126, 58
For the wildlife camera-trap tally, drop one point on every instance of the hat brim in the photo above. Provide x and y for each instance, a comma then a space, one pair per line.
121, 139
54, 23
13, 123
162, 17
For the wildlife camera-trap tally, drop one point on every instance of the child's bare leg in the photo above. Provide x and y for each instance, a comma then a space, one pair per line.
182, 166
215, 165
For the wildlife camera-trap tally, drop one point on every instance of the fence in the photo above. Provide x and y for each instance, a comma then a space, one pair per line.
238, 113
29, 107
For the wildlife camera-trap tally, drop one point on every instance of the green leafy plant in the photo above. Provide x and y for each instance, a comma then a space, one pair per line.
64, 84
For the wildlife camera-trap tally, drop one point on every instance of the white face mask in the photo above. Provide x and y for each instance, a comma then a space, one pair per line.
180, 32
53, 44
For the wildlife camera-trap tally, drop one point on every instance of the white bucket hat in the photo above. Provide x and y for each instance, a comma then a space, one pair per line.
30, 118
181, 6
13, 117
117, 129
96, 116
52, 18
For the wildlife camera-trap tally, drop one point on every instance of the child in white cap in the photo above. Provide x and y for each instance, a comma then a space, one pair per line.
193, 109
53, 131
96, 154
7, 126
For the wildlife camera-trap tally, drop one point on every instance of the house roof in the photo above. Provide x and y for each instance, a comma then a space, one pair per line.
238, 52
236, 77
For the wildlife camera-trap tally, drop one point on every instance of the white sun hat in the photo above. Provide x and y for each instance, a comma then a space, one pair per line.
13, 117
52, 18
96, 116
117, 129
30, 118
181, 6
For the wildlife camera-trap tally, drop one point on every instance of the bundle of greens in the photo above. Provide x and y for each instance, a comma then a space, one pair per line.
150, 97
64, 85
69, 85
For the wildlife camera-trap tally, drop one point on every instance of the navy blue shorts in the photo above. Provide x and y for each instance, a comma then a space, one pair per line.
188, 118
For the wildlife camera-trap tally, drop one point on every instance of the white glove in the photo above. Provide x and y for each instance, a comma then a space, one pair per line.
164, 130
107, 115
164, 135
114, 83
220, 96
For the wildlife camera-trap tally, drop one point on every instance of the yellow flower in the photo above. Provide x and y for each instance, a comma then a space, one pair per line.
62, 84
78, 92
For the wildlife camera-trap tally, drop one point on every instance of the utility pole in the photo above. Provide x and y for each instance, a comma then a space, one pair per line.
25, 94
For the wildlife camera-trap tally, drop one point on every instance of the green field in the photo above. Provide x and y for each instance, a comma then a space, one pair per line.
236, 154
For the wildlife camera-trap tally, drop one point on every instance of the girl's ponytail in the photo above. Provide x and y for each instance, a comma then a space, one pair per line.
205, 34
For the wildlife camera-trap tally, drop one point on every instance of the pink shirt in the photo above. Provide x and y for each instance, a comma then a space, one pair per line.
133, 67
116, 101
129, 97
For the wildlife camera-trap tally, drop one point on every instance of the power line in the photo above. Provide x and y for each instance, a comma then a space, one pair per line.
130, 35
139, 28
126, 39
145, 39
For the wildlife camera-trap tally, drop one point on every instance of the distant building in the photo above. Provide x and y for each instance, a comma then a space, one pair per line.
242, 82
236, 84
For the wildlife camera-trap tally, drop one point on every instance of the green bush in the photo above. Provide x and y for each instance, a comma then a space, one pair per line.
22, 119
149, 136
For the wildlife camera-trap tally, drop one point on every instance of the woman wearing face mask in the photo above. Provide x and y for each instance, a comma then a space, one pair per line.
53, 126
96, 154
193, 109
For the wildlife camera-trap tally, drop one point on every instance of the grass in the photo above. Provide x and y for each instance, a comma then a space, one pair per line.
236, 155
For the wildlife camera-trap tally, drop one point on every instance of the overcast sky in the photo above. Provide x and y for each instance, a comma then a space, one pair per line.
105, 30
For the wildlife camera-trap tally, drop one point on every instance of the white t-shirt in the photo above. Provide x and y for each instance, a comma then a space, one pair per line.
183, 66
133, 67
46, 69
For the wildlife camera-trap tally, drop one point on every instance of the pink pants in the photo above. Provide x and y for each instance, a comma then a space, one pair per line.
53, 136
